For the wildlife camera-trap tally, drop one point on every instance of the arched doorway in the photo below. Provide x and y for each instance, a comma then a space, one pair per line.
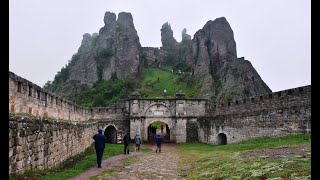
222, 139
158, 127
111, 134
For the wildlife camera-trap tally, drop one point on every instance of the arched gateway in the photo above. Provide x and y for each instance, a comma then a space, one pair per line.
171, 113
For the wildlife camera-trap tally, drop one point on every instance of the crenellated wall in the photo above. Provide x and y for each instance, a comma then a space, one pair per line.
268, 115
287, 98
30, 99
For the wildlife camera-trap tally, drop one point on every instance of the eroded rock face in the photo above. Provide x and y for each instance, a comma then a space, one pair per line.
151, 57
185, 36
116, 50
84, 69
215, 59
127, 48
167, 39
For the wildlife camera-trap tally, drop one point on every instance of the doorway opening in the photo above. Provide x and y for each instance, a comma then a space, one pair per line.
222, 139
111, 134
161, 128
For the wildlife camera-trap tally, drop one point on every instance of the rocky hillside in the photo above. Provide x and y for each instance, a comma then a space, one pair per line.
115, 53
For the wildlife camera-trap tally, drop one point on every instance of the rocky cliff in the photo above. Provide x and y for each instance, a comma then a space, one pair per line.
115, 52
214, 57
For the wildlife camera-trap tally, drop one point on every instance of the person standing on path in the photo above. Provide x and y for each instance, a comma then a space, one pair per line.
137, 142
158, 141
99, 144
126, 141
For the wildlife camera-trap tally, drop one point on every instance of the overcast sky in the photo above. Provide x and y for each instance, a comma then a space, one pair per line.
274, 35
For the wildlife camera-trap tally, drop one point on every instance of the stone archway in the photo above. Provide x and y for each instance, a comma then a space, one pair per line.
222, 139
111, 134
167, 129
158, 127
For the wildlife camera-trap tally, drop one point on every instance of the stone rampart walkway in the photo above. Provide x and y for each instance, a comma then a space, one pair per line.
143, 166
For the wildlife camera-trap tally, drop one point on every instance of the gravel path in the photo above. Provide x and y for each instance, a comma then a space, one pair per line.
143, 166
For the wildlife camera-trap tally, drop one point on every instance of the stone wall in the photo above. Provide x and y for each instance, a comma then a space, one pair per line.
38, 143
275, 114
30, 99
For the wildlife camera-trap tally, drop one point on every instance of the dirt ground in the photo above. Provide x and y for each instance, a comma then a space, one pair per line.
150, 165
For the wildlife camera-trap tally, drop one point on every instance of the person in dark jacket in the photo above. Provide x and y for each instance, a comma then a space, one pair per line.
99, 144
158, 141
126, 141
137, 142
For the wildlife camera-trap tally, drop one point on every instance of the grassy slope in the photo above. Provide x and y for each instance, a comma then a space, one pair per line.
167, 81
220, 162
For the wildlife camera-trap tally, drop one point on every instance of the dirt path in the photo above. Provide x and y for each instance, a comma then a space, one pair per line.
149, 165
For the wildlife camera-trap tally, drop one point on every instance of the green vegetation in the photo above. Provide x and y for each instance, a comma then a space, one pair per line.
203, 161
72, 166
104, 93
158, 124
62, 75
229, 96
156, 80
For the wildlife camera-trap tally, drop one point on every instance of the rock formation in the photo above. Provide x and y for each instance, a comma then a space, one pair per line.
116, 52
215, 59
167, 39
185, 36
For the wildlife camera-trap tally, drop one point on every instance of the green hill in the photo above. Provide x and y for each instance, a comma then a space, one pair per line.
156, 80
152, 83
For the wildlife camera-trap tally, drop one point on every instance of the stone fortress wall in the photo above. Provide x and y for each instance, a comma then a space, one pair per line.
45, 129
268, 115
30, 99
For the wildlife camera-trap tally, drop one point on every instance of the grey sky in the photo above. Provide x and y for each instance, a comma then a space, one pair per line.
274, 35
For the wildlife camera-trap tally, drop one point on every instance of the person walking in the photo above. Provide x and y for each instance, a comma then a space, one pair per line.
137, 142
99, 144
126, 141
158, 141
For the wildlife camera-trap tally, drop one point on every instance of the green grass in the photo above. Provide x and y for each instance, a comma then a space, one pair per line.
203, 161
168, 81
88, 162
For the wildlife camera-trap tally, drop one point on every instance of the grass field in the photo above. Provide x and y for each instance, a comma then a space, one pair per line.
164, 79
265, 158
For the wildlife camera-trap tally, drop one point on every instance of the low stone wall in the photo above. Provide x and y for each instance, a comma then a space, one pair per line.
38, 144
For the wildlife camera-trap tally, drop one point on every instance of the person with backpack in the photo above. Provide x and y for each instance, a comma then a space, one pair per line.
137, 142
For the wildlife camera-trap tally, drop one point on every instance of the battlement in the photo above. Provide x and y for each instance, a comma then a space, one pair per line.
280, 99
26, 97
